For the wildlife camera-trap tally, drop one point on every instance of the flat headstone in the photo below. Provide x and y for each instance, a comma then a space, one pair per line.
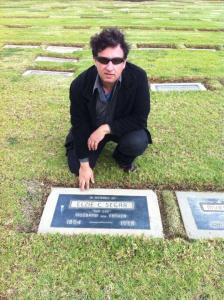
200, 49
21, 46
181, 87
202, 213
63, 49
101, 211
55, 59
44, 72
153, 48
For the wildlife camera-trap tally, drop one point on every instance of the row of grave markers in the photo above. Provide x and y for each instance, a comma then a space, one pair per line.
136, 212
67, 49
158, 87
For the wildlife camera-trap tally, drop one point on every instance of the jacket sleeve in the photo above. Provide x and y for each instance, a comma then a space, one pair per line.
79, 119
137, 119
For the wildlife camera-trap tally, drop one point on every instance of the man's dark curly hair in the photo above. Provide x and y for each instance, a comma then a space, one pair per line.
108, 37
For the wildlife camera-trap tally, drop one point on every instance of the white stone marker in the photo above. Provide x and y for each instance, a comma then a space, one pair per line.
102, 211
43, 72
180, 87
21, 46
200, 49
63, 49
55, 59
202, 213
154, 48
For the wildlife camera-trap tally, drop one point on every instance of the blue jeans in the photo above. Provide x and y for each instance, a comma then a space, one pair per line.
129, 146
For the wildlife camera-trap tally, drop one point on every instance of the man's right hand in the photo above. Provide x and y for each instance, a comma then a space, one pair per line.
85, 176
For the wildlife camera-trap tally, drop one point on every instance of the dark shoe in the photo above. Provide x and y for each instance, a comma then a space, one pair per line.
128, 168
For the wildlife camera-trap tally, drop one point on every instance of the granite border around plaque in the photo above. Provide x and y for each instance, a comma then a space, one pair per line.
155, 224
190, 204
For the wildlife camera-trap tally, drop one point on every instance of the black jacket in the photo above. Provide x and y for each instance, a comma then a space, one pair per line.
130, 112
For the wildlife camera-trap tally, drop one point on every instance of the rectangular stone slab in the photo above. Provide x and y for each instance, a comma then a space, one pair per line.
21, 46
153, 48
102, 211
180, 87
63, 49
43, 72
202, 213
55, 59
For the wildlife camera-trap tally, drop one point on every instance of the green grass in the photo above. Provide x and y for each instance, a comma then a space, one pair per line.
52, 267
187, 153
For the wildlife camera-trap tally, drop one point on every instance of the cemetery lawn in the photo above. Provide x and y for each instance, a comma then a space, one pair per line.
187, 153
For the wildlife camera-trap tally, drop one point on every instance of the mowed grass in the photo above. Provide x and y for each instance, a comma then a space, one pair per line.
187, 153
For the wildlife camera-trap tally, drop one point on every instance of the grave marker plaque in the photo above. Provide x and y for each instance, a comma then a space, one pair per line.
55, 59
21, 46
71, 211
180, 87
45, 72
202, 213
63, 49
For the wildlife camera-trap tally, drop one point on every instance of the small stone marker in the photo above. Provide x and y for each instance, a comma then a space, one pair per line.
180, 87
55, 59
153, 48
202, 213
60, 49
21, 46
105, 211
43, 72
200, 49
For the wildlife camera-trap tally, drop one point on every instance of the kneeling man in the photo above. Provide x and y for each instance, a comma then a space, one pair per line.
109, 102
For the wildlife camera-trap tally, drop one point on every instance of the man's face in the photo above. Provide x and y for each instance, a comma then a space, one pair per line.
110, 72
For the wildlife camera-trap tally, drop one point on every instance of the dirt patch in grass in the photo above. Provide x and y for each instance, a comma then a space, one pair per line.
3, 297
212, 84
210, 30
23, 44
196, 46
137, 27
178, 28
130, 185
201, 297
32, 205
149, 28
77, 27
149, 45
221, 81
25, 17
17, 26
95, 17
53, 69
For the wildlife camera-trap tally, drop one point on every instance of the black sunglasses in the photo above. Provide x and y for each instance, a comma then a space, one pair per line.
106, 60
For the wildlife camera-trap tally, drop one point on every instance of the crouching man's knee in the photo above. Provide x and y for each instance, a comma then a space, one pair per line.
134, 143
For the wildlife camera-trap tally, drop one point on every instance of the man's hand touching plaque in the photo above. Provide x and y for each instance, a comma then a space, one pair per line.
85, 176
